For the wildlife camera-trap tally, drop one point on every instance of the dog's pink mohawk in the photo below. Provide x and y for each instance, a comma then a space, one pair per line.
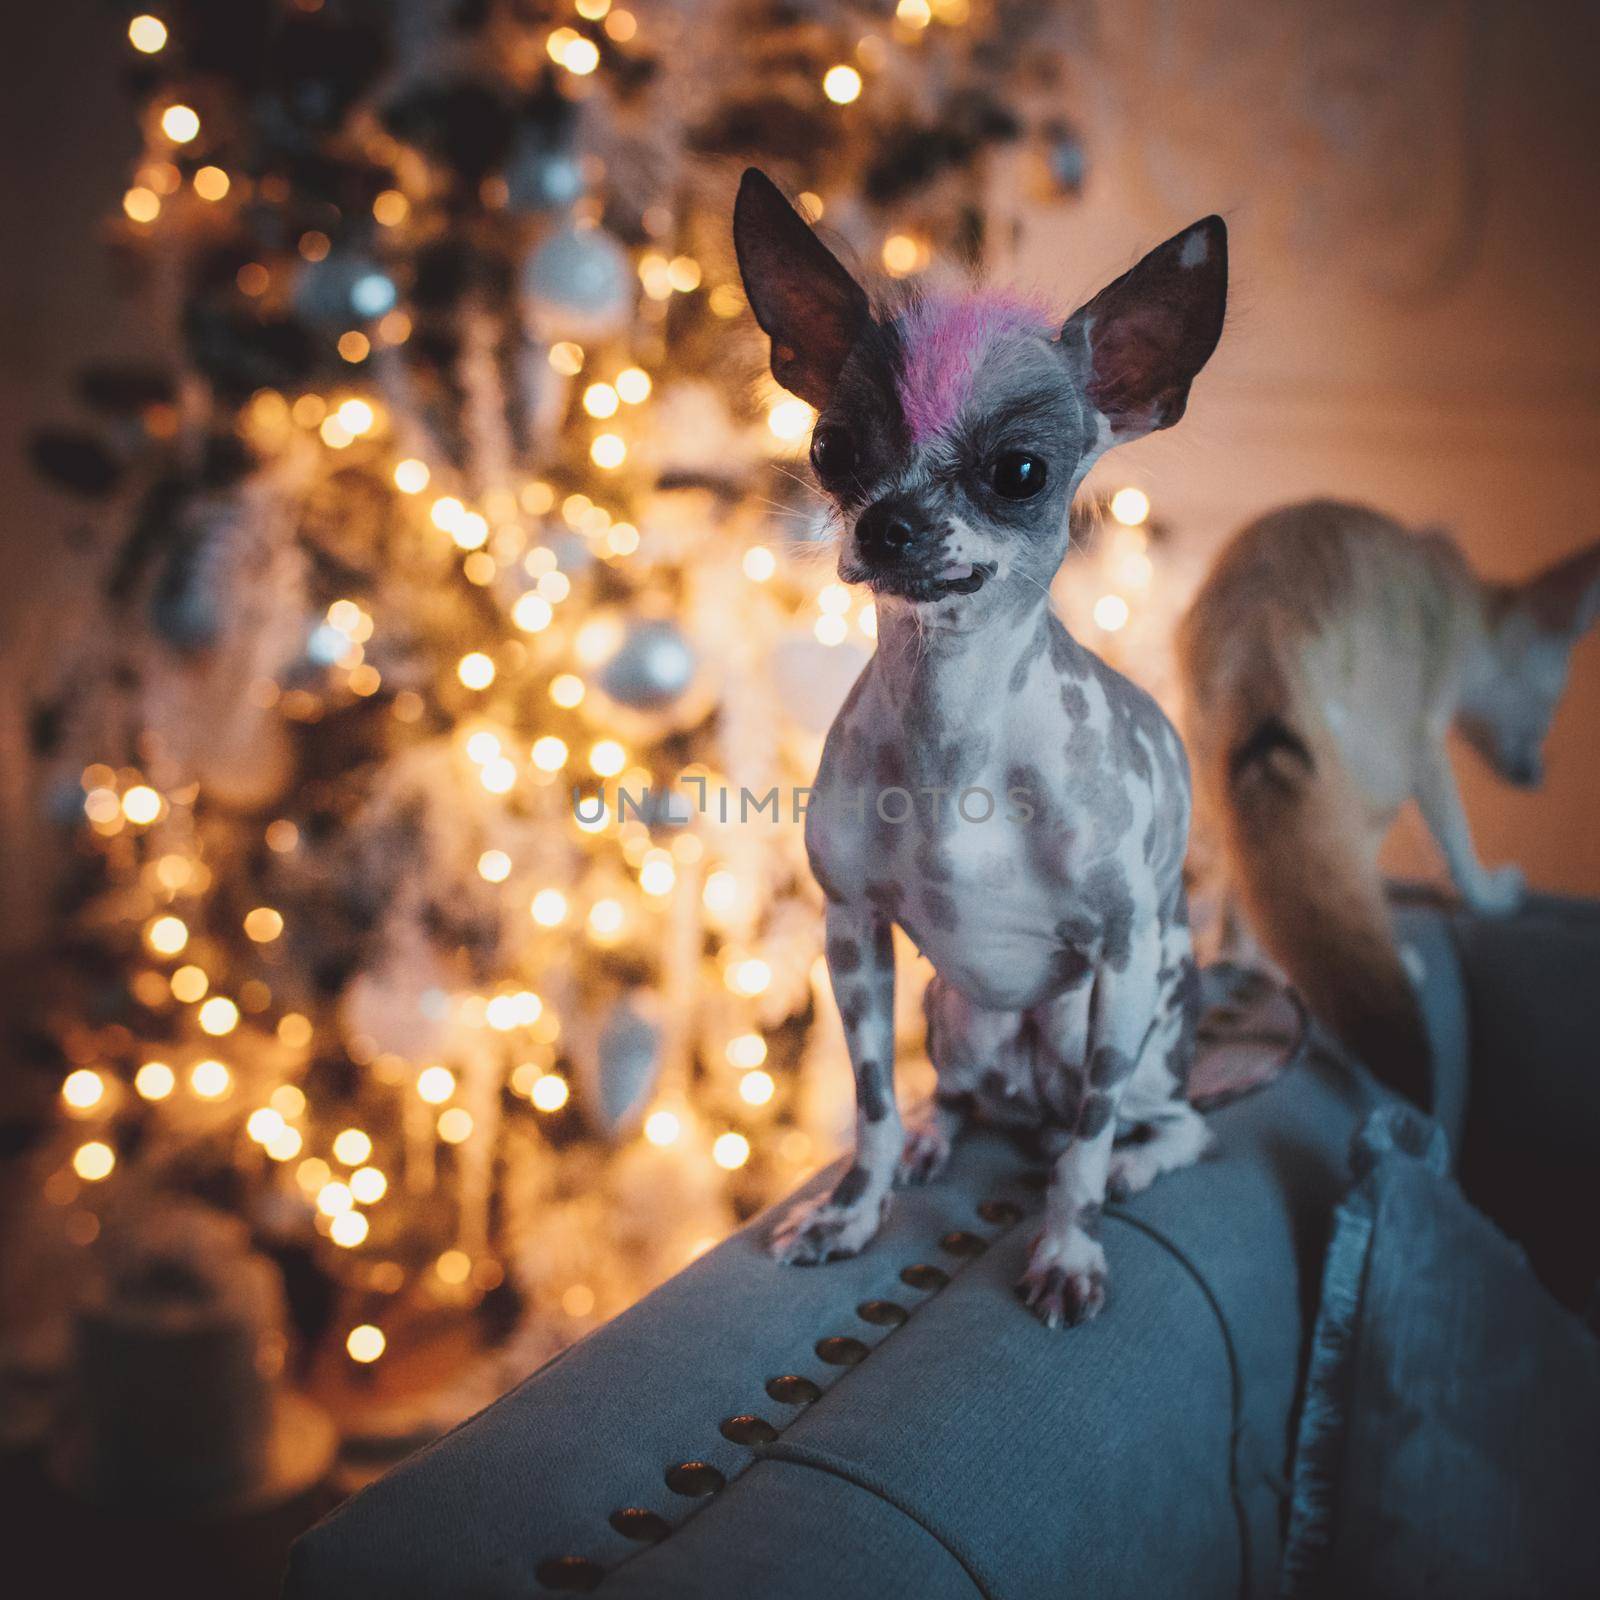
943, 339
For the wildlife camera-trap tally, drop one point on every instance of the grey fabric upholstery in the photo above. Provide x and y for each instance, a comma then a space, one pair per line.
971, 1451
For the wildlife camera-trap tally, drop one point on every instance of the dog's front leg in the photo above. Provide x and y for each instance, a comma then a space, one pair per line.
1066, 1277
861, 965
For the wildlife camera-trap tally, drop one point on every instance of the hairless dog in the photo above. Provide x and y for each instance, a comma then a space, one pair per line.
1020, 809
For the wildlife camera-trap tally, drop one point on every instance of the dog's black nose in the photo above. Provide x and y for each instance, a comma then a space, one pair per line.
887, 526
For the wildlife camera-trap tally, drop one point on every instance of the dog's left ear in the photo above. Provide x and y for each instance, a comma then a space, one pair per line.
1565, 598
1142, 339
806, 303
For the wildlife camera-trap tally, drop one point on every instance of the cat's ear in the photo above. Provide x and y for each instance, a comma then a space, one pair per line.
1565, 598
1141, 340
808, 305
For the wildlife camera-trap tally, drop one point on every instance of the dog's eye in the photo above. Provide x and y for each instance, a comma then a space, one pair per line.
1017, 475
833, 454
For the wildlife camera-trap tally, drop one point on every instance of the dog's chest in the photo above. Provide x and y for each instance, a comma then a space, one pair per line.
987, 862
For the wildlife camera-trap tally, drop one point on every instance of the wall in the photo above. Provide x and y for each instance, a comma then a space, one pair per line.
1413, 200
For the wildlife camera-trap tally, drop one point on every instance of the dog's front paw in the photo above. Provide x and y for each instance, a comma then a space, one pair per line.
1133, 1169
1065, 1283
828, 1229
927, 1149
1498, 893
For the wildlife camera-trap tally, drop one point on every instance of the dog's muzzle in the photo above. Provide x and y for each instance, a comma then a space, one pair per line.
901, 552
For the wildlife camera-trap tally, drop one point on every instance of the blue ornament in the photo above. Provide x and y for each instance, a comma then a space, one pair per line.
578, 284
653, 666
342, 288
541, 176
629, 1062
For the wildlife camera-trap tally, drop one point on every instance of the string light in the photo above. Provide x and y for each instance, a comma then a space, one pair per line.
607, 758
141, 804
189, 984
790, 419
334, 1198
549, 908
83, 1089
210, 1080
601, 400
662, 1128
211, 183
147, 34
368, 1185
532, 612
365, 1343
550, 1092
180, 123
549, 753
498, 776
294, 1030
264, 1124
566, 690
390, 208
218, 1016
94, 1161
348, 1229
756, 1088
352, 1147
155, 1080
141, 204
608, 451
436, 1084
841, 84
748, 1050
285, 1145
167, 935
633, 386
263, 925
1130, 506
730, 1150
454, 1267
759, 563
1111, 613
475, 670
494, 866
455, 1125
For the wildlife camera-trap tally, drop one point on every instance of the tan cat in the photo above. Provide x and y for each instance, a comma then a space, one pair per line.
1323, 661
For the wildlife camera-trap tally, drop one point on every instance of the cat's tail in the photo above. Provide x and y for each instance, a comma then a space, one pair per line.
1294, 836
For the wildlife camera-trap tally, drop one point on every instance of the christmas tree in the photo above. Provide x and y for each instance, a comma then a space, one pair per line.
470, 631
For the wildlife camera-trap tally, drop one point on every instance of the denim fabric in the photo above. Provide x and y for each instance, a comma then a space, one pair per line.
1451, 1434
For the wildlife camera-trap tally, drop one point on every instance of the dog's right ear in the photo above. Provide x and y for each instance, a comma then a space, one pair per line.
807, 304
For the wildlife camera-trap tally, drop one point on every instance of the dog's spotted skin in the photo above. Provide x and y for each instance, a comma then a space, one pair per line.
1033, 847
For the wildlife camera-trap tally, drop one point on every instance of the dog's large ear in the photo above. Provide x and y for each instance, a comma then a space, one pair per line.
1565, 598
806, 303
1142, 339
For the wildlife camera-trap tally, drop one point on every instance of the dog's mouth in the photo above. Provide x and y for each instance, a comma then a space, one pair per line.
961, 577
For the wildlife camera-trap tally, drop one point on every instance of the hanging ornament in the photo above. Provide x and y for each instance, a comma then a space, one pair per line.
616, 1059
654, 665
345, 286
542, 170
578, 285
